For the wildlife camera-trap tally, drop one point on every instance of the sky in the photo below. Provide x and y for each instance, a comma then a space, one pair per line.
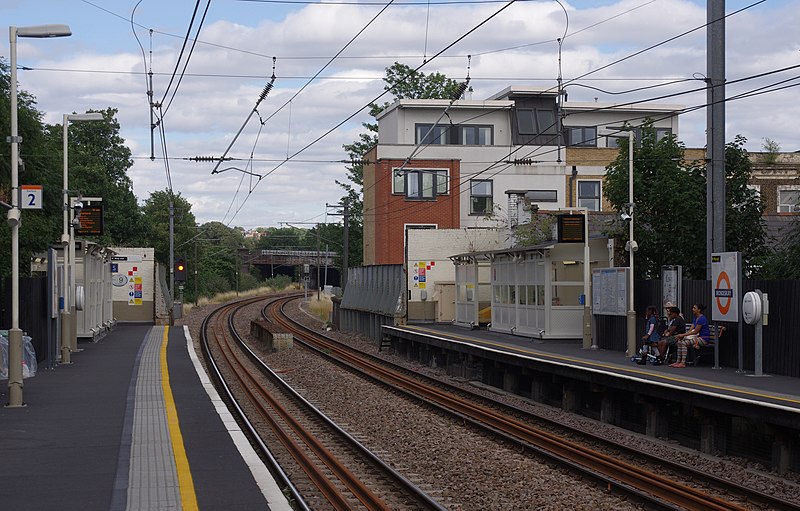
329, 61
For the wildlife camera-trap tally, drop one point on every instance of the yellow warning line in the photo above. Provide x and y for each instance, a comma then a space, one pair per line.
602, 365
185, 482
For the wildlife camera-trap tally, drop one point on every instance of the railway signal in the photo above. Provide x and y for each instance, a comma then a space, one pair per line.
180, 270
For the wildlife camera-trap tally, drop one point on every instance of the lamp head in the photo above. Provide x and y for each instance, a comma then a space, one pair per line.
13, 217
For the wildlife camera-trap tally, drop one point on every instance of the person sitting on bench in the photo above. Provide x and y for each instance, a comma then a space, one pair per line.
675, 325
697, 337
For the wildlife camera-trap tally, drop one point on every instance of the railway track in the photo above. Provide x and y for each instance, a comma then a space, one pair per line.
628, 477
320, 464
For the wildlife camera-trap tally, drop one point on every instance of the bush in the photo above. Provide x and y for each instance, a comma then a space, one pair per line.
279, 282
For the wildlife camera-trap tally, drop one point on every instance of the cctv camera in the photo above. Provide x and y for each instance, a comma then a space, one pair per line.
625, 217
76, 223
631, 246
78, 206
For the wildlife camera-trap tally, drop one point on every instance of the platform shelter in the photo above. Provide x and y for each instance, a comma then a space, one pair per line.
536, 291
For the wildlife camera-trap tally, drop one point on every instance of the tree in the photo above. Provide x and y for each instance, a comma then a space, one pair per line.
402, 82
39, 164
99, 162
155, 216
670, 206
744, 223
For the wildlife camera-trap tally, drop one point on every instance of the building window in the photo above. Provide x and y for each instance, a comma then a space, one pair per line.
589, 195
476, 135
480, 202
429, 134
420, 184
535, 121
542, 195
582, 137
788, 200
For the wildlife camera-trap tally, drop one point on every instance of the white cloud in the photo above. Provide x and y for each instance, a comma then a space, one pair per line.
222, 84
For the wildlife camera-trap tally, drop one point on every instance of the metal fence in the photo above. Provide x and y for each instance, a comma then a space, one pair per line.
34, 319
781, 340
374, 296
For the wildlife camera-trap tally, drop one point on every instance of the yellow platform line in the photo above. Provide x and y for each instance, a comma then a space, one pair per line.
562, 358
185, 482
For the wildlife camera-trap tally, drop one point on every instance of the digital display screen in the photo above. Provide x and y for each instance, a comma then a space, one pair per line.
91, 218
570, 229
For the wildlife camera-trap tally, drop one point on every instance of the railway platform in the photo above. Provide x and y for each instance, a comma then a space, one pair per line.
706, 408
132, 424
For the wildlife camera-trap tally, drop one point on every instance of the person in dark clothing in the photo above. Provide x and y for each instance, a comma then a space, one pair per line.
675, 325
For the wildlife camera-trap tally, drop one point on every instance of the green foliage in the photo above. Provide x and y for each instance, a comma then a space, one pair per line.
670, 206
98, 165
771, 150
538, 230
745, 231
279, 282
155, 211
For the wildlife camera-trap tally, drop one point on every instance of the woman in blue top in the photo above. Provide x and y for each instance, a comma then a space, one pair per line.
698, 336
651, 336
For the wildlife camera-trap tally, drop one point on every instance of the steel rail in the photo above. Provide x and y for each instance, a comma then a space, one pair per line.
624, 475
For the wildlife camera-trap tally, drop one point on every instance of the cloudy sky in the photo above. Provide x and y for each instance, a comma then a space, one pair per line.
318, 102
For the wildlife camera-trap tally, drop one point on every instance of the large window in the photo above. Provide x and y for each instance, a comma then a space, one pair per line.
589, 195
480, 202
582, 136
788, 200
535, 121
462, 134
420, 184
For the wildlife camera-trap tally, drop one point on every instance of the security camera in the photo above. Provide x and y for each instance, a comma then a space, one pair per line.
76, 223
631, 246
625, 217
78, 207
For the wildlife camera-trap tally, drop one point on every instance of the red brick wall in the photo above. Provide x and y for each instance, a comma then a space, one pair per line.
390, 213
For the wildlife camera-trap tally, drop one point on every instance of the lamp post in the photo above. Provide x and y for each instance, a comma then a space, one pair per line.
15, 334
66, 238
631, 247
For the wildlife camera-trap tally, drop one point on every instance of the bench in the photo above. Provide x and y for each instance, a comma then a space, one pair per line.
694, 355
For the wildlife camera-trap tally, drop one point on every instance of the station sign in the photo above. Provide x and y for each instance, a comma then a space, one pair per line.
726, 286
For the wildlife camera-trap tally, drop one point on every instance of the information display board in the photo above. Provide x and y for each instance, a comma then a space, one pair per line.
610, 291
91, 218
571, 229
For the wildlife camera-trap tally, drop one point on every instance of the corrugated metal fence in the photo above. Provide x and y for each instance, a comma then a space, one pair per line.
374, 296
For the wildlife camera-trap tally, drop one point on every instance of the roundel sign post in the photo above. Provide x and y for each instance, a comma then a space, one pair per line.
725, 283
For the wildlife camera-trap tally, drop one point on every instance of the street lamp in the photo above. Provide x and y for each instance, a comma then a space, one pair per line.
15, 334
66, 239
631, 247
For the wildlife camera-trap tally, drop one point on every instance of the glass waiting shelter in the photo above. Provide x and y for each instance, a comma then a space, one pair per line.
536, 291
